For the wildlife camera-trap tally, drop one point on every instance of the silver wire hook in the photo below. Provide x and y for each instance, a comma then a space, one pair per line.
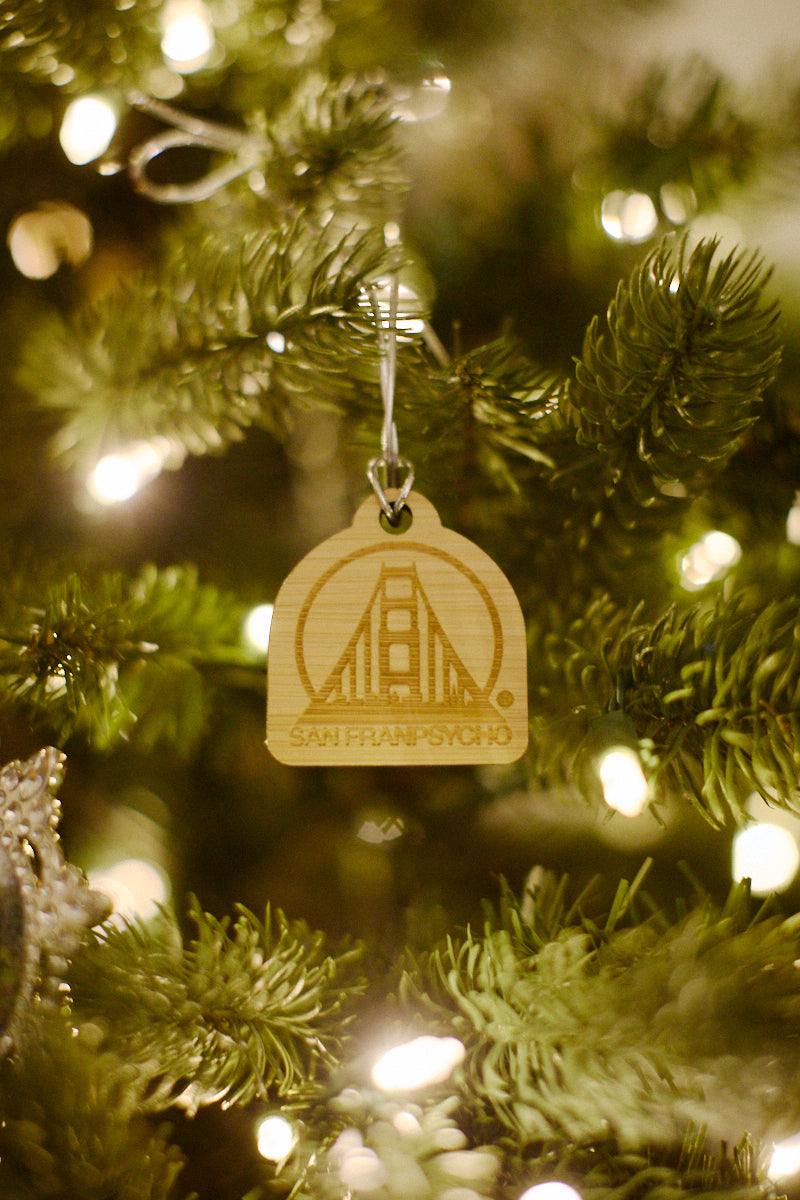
246, 150
389, 463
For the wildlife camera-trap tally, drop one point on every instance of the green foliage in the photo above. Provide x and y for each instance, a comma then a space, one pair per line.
103, 657
71, 1126
187, 358
242, 1011
578, 1031
667, 394
603, 1173
712, 688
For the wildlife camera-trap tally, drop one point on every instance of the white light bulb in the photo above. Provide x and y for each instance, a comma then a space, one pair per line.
785, 1160
767, 855
87, 128
135, 888
418, 1063
257, 626
187, 35
275, 1138
551, 1191
625, 786
118, 477
709, 558
793, 523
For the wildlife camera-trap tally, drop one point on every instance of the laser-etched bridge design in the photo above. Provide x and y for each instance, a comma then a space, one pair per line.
400, 663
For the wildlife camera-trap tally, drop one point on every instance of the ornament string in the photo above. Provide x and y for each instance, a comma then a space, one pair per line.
246, 152
388, 468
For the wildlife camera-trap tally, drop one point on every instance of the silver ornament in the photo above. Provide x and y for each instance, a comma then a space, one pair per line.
46, 905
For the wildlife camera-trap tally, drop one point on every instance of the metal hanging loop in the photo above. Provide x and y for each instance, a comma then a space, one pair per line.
389, 469
246, 152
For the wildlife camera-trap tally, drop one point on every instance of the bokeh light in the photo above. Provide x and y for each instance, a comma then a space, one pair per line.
552, 1190
416, 1064
119, 476
87, 128
708, 559
275, 1138
187, 35
257, 625
624, 783
425, 100
793, 523
767, 855
785, 1160
43, 238
628, 216
136, 888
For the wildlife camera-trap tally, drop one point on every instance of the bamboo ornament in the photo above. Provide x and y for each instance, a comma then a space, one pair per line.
397, 646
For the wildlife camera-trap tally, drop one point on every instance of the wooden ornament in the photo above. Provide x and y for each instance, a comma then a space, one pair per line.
397, 648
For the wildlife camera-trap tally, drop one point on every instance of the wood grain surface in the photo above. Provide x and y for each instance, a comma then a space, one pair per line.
397, 648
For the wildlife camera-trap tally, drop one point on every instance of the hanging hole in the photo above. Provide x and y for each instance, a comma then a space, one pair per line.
401, 524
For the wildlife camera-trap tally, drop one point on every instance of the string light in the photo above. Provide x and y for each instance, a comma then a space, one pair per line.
87, 128
628, 216
766, 854
135, 888
257, 626
708, 559
785, 1160
416, 1064
625, 786
615, 752
275, 1138
187, 35
552, 1190
117, 477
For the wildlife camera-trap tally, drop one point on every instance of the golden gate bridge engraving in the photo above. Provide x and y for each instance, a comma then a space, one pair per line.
399, 665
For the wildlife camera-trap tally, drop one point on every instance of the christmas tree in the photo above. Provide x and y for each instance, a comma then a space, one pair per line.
236, 233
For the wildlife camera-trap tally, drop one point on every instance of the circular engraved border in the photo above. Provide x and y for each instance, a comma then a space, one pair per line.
382, 548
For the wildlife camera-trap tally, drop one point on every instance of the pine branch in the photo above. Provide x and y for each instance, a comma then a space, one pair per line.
711, 689
718, 687
187, 358
604, 1173
667, 394
625, 1032
100, 658
71, 1125
243, 1011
